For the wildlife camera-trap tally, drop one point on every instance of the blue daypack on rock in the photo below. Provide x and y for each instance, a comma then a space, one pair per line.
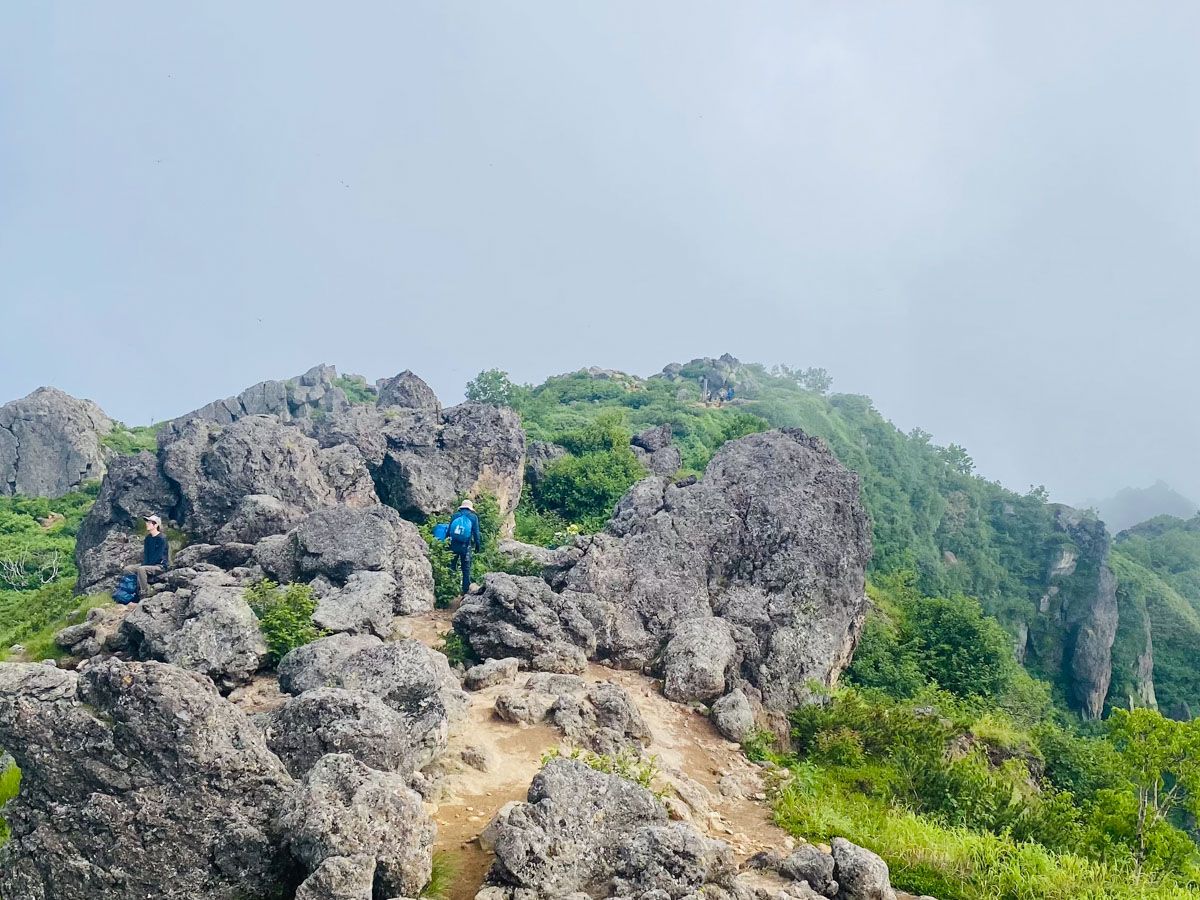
460, 529
126, 591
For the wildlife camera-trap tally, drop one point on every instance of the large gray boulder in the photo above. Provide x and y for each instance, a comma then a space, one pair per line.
137, 780
50, 443
257, 516
216, 467
346, 809
425, 460
814, 865
336, 720
773, 540
363, 605
313, 665
586, 834
208, 629
654, 450
291, 399
569, 834
520, 616
340, 878
603, 718
339, 541
733, 715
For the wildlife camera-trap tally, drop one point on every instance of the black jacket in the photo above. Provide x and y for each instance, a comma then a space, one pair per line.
154, 551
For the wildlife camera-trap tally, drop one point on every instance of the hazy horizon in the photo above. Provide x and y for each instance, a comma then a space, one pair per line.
983, 218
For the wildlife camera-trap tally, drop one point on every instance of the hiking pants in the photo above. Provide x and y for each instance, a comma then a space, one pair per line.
143, 574
463, 558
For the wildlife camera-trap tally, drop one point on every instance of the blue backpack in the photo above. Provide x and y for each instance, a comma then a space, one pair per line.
126, 591
461, 529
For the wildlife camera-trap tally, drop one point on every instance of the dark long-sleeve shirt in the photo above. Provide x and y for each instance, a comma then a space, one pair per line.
154, 551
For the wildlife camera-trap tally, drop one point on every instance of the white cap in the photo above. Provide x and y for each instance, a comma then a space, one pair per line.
467, 504
155, 519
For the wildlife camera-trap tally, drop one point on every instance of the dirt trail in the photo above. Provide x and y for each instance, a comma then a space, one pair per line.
683, 741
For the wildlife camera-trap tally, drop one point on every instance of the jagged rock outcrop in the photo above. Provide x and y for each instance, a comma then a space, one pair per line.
584, 833
654, 451
406, 391
208, 628
346, 809
539, 456
424, 460
50, 443
215, 468
288, 400
137, 780
773, 541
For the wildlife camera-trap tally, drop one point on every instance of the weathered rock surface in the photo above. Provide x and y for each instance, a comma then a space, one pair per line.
314, 665
814, 865
137, 780
346, 809
860, 874
364, 605
338, 541
519, 615
335, 720
50, 443
491, 673
257, 516
425, 460
209, 629
290, 399
99, 632
773, 541
406, 391
733, 716
539, 456
699, 656
216, 468
604, 719
654, 450
586, 834
340, 878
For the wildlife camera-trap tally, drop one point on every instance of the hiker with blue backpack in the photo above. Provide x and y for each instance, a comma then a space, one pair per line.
155, 558
464, 540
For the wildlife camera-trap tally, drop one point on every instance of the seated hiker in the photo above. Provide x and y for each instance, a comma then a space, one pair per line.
155, 556
464, 539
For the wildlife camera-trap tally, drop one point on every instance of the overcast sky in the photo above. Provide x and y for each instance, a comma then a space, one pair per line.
985, 216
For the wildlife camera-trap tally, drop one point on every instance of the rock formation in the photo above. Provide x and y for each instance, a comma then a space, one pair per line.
50, 443
755, 574
137, 780
296, 398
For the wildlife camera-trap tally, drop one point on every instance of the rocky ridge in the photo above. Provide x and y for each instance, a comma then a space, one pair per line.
50, 444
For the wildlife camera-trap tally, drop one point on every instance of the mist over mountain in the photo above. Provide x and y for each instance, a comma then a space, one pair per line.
1130, 506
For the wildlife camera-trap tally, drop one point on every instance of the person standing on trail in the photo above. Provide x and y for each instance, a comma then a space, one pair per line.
464, 540
155, 556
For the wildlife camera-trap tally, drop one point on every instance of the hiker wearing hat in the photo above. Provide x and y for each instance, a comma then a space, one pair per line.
464, 538
155, 556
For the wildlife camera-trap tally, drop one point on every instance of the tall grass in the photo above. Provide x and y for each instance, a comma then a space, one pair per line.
955, 863
10, 781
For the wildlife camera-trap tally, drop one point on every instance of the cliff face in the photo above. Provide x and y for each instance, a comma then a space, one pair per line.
50, 443
1073, 634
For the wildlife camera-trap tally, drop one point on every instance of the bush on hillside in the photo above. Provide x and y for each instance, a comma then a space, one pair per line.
284, 615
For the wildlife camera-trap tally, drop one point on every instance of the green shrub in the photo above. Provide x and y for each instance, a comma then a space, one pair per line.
357, 392
585, 489
284, 615
456, 649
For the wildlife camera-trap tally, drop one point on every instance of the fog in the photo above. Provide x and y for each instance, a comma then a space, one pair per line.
985, 216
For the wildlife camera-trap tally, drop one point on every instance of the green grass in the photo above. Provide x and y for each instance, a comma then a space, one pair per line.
128, 441
31, 619
10, 781
446, 869
954, 863
357, 392
456, 649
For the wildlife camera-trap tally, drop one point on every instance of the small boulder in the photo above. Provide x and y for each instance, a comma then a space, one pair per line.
491, 673
733, 716
698, 657
604, 719
340, 878
814, 865
406, 391
209, 629
860, 874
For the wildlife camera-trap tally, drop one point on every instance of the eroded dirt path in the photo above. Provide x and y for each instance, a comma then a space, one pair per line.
693, 758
